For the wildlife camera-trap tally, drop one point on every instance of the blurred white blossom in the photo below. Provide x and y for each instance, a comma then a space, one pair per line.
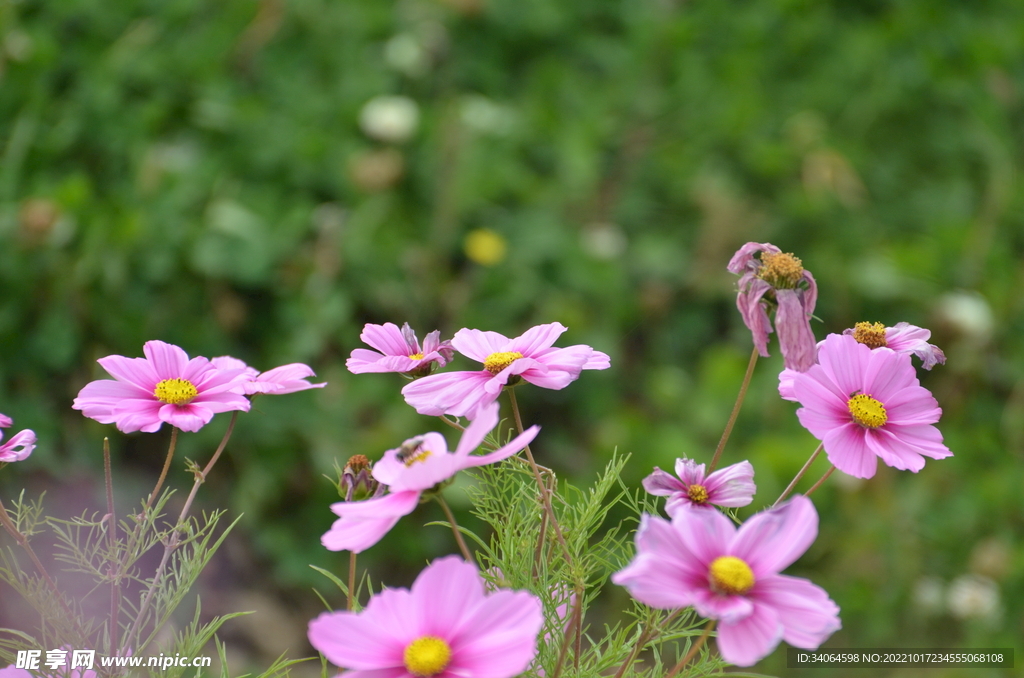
973, 597
390, 117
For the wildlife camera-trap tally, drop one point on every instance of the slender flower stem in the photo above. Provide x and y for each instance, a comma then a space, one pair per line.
648, 633
735, 410
112, 569
173, 540
455, 529
800, 474
167, 465
545, 495
453, 424
351, 579
693, 650
818, 484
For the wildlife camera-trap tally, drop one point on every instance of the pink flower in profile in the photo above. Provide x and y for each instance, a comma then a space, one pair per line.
446, 626
701, 559
399, 351
408, 471
866, 404
20, 446
730, 486
278, 381
778, 280
530, 357
165, 386
901, 338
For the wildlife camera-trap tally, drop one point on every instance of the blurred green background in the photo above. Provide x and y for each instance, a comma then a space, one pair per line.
211, 174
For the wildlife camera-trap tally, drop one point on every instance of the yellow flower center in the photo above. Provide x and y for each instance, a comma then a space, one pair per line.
427, 656
416, 356
418, 455
731, 575
782, 271
175, 391
867, 411
496, 362
698, 494
871, 335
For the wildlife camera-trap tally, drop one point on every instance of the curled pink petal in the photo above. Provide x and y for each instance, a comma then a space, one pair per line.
19, 447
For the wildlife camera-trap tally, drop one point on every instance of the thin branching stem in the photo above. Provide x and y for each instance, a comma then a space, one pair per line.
351, 580
112, 566
167, 465
453, 424
173, 540
800, 474
693, 650
818, 484
545, 495
22, 540
648, 633
455, 528
735, 410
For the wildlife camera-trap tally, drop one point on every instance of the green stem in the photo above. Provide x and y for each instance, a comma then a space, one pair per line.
649, 631
693, 650
735, 410
799, 475
818, 484
112, 566
351, 580
167, 465
455, 529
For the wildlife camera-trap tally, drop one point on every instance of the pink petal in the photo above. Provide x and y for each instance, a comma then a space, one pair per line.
514, 446
689, 472
458, 393
786, 379
168, 360
445, 594
222, 402
19, 447
137, 415
387, 339
137, 372
772, 540
744, 258
536, 339
926, 440
477, 344
422, 475
848, 451
363, 523
499, 638
748, 641
732, 485
748, 301
892, 451
5, 421
728, 609
844, 362
486, 420
706, 534
354, 641
190, 418
662, 484
598, 361
887, 373
793, 325
808, 616
527, 367
912, 405
664, 574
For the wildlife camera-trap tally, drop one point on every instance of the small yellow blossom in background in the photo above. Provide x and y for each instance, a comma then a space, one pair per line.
485, 247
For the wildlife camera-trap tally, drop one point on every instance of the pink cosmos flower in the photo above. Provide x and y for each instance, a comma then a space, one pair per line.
730, 486
776, 279
278, 381
399, 351
446, 626
529, 357
866, 404
20, 446
732, 575
902, 338
408, 471
165, 386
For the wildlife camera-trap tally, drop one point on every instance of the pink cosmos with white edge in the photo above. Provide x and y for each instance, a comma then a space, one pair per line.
289, 378
399, 350
701, 559
530, 357
865, 405
164, 387
408, 471
731, 486
446, 626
